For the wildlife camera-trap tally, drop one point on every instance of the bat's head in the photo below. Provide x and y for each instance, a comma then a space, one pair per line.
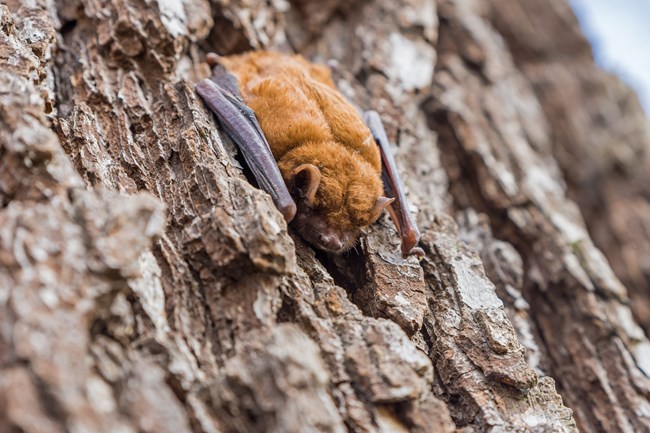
336, 197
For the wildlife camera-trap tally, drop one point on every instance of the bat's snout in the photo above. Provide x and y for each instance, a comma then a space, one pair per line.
330, 241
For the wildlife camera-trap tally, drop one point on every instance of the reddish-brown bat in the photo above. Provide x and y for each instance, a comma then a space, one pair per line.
336, 163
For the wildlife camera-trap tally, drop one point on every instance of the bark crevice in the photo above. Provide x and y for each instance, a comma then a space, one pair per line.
147, 285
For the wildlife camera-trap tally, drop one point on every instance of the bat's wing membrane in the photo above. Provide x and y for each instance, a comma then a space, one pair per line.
399, 209
220, 92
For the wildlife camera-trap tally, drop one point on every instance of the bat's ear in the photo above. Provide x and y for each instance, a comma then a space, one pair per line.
306, 178
379, 206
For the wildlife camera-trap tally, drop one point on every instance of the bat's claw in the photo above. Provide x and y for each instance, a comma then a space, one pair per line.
417, 252
212, 58
410, 240
288, 211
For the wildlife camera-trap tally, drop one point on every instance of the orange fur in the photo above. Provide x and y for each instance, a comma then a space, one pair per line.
306, 120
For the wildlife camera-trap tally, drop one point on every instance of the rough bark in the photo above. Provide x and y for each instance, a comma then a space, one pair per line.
599, 134
147, 285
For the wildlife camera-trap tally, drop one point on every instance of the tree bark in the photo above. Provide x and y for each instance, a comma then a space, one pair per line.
147, 286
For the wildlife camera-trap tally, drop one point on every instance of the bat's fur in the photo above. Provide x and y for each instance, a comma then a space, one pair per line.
306, 120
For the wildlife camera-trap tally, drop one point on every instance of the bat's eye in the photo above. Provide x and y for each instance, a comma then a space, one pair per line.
306, 179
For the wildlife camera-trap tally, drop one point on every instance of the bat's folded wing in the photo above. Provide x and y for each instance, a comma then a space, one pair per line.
221, 95
399, 209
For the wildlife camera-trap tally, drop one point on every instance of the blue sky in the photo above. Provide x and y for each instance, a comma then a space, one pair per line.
619, 31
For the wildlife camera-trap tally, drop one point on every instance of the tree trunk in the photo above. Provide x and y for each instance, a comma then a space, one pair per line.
147, 286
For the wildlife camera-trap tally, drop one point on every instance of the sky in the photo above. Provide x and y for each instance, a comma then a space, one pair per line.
619, 31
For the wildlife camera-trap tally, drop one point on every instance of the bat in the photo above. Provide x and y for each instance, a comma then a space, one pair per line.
328, 169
